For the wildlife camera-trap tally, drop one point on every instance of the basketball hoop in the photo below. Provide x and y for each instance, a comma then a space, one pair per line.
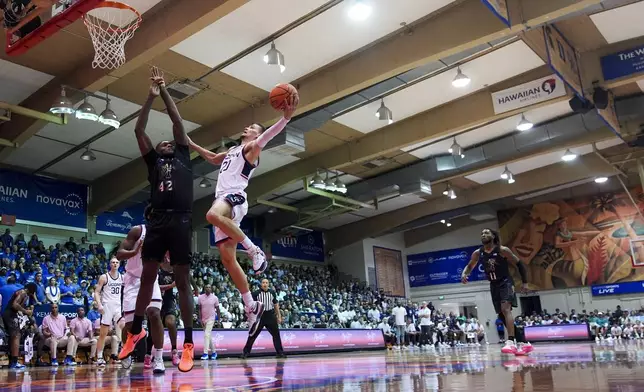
111, 24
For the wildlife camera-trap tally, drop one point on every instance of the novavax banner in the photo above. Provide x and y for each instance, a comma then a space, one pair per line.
43, 201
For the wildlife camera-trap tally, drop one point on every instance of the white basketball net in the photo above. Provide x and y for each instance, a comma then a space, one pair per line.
110, 29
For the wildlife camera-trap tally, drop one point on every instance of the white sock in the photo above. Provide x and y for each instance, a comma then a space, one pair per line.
247, 243
158, 353
247, 298
99, 355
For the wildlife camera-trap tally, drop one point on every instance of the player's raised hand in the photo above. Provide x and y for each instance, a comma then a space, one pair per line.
290, 106
157, 81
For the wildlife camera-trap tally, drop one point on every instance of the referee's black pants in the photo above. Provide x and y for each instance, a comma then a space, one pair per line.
269, 321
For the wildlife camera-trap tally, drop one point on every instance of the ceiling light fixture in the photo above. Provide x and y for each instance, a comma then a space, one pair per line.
601, 180
360, 10
448, 224
62, 105
524, 124
456, 150
461, 80
505, 173
443, 221
384, 113
317, 182
329, 184
449, 192
511, 179
88, 155
86, 111
339, 186
568, 156
204, 183
275, 57
108, 117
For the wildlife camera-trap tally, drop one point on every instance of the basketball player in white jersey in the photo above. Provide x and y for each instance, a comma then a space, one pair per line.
131, 250
108, 296
231, 206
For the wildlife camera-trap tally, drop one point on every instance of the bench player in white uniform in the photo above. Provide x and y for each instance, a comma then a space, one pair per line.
131, 250
230, 204
108, 296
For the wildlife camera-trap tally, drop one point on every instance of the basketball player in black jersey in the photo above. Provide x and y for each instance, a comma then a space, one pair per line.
496, 261
11, 317
169, 227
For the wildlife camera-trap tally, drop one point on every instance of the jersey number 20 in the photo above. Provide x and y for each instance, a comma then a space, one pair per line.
165, 186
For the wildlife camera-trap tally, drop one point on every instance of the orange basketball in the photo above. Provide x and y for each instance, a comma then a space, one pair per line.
281, 94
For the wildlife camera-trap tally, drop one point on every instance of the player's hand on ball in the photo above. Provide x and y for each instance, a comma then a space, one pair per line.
291, 106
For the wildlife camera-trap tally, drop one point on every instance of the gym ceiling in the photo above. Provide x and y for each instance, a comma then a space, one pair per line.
404, 55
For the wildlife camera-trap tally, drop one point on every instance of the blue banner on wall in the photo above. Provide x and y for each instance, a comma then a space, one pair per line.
309, 246
247, 226
120, 222
441, 267
43, 200
617, 288
624, 63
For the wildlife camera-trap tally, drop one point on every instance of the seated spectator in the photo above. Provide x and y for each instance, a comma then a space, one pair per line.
411, 334
52, 292
83, 332
56, 333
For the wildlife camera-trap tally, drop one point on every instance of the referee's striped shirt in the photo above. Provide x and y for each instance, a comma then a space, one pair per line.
268, 298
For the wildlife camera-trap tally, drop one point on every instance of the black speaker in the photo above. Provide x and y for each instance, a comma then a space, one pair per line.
580, 106
600, 97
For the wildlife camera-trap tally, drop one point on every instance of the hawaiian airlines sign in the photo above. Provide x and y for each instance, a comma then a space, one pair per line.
527, 94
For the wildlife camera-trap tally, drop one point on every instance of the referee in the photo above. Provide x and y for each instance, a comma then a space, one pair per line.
270, 319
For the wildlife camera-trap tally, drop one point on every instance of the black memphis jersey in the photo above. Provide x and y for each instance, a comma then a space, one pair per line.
170, 180
166, 278
495, 265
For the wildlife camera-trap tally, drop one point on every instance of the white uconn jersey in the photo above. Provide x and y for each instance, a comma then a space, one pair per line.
111, 292
134, 266
234, 173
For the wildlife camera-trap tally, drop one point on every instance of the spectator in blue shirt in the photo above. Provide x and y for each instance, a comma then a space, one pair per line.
7, 239
40, 288
3, 276
67, 291
100, 249
20, 241
93, 314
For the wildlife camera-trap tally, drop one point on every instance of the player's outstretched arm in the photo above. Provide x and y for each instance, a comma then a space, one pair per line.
129, 247
252, 149
470, 266
212, 157
145, 144
179, 132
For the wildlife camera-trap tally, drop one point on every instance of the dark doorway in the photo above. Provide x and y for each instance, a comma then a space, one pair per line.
531, 304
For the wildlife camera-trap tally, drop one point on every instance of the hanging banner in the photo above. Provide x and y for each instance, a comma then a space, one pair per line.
563, 59
247, 226
120, 222
43, 201
527, 94
442, 267
609, 115
309, 246
500, 9
624, 63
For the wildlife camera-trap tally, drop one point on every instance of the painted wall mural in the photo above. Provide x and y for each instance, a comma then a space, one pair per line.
577, 242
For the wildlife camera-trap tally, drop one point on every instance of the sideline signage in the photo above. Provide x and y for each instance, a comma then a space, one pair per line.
624, 63
442, 267
527, 94
617, 288
39, 200
558, 332
563, 59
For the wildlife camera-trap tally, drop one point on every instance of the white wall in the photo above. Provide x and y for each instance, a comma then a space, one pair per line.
350, 260
394, 241
466, 236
